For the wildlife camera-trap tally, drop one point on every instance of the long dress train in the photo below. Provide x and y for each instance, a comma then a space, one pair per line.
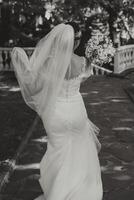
70, 168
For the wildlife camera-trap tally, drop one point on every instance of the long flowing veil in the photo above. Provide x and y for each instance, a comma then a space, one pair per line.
40, 77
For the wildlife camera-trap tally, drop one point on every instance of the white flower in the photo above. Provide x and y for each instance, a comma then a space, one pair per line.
100, 49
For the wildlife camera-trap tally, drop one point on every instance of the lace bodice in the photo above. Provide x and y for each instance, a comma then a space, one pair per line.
70, 88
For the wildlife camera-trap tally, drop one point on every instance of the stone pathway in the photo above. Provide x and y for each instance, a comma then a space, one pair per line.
110, 108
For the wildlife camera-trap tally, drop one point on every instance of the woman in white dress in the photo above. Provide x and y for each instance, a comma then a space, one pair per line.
50, 82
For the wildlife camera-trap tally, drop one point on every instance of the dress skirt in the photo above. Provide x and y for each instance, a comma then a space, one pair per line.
70, 168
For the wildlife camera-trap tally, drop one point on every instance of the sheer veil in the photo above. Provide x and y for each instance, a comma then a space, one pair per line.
40, 77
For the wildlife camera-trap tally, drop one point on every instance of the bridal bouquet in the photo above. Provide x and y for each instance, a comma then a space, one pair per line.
100, 50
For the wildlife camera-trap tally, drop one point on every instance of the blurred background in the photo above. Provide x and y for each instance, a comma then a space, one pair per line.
24, 22
108, 29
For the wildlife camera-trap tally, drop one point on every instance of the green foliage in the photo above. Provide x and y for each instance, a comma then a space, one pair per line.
64, 10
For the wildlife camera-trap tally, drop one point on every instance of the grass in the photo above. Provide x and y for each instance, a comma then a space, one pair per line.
15, 116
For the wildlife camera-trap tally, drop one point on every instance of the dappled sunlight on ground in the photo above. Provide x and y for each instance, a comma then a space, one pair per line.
105, 100
29, 166
118, 168
84, 94
98, 103
122, 129
111, 169
127, 120
114, 97
122, 177
118, 100
4, 87
94, 92
112, 165
42, 139
14, 89
9, 88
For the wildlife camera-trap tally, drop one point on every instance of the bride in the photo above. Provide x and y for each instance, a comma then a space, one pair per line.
50, 82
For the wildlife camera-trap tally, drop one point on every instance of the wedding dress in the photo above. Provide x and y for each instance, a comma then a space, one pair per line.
70, 168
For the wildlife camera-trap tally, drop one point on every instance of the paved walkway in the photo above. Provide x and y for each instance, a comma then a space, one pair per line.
110, 108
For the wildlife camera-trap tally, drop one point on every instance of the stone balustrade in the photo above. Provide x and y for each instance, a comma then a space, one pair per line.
5, 61
124, 58
97, 70
5, 58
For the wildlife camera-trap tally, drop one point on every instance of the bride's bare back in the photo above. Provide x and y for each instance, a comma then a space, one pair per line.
76, 67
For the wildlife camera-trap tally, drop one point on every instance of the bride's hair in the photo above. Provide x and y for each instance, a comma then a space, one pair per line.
75, 26
77, 34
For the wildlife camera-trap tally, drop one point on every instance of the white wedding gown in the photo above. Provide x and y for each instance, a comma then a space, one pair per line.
70, 168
